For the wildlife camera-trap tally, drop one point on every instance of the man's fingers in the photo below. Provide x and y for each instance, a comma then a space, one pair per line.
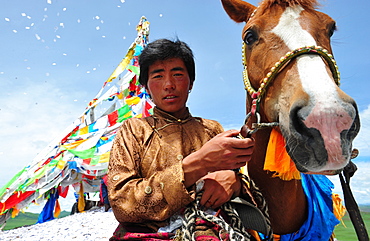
229, 133
247, 143
205, 197
240, 164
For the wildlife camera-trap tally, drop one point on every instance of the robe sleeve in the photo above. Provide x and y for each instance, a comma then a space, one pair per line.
138, 199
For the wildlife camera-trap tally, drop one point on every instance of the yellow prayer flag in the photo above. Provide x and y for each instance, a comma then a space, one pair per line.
73, 145
81, 200
122, 66
133, 100
61, 164
84, 130
104, 157
15, 212
57, 209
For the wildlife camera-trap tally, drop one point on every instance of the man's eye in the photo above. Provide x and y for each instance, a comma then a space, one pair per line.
178, 74
156, 76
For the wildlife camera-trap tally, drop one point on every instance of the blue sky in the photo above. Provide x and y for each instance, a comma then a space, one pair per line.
56, 54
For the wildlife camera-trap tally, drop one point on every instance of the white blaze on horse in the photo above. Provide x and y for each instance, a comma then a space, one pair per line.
293, 81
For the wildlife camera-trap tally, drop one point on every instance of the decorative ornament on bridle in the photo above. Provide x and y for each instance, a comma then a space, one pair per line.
257, 95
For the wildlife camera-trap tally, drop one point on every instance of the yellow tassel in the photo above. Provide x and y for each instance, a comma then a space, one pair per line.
277, 160
339, 209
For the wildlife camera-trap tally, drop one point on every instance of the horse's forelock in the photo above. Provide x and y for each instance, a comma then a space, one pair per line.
306, 4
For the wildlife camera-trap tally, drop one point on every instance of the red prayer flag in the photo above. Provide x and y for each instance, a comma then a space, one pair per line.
112, 118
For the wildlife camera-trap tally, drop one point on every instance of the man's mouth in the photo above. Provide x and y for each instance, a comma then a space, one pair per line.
170, 97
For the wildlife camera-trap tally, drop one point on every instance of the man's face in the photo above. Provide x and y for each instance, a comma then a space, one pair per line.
169, 85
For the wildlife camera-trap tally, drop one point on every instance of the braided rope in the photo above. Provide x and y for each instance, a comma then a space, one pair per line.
261, 202
236, 228
190, 216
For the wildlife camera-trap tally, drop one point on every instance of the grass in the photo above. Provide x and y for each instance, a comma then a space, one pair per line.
347, 232
25, 219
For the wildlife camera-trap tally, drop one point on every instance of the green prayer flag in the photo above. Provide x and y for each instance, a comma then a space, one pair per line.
89, 153
134, 69
122, 113
3, 189
94, 160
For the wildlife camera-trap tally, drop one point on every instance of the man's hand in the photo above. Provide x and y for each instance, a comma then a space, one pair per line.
219, 187
223, 152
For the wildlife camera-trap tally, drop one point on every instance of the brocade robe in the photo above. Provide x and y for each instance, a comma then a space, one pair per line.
145, 175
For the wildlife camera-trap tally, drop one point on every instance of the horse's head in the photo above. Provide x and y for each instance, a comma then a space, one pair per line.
299, 90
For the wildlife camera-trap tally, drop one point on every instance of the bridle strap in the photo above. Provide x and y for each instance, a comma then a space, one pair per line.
350, 202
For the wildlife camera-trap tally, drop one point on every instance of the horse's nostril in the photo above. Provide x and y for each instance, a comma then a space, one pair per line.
296, 120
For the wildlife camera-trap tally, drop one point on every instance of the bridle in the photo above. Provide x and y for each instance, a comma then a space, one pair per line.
257, 95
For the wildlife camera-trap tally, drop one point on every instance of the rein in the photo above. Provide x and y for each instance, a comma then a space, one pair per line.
350, 202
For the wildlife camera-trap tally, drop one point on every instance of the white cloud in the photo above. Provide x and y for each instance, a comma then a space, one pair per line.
362, 141
360, 183
31, 116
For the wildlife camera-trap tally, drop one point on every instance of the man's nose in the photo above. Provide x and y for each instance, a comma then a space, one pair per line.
169, 83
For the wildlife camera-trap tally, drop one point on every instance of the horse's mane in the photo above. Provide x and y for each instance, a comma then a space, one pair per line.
306, 4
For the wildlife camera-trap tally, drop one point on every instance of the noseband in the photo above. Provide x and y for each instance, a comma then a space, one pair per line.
257, 95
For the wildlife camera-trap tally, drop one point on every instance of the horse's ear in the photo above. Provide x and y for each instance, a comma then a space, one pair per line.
238, 10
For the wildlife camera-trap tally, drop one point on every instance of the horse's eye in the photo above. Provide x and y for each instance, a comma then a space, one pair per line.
250, 37
332, 29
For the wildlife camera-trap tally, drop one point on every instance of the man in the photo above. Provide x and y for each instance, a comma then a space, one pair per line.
156, 161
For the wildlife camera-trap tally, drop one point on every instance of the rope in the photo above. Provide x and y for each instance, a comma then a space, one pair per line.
235, 228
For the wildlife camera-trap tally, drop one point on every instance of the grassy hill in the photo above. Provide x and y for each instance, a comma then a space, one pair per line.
24, 219
365, 208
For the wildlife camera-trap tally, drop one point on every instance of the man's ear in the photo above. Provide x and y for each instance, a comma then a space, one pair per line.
147, 90
191, 86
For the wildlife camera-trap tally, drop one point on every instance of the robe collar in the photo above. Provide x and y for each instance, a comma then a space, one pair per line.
170, 118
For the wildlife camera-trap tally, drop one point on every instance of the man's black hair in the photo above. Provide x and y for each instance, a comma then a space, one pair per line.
163, 49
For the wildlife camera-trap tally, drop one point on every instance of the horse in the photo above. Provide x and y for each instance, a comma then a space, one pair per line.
292, 82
